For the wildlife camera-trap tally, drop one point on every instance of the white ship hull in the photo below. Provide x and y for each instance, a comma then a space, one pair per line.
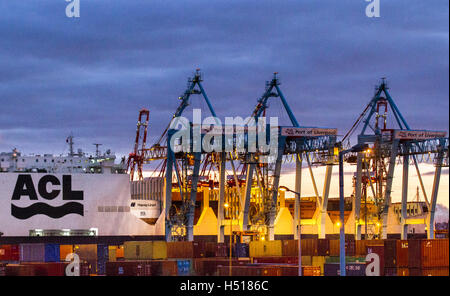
104, 207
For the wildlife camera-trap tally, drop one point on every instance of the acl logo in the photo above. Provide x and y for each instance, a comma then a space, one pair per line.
25, 187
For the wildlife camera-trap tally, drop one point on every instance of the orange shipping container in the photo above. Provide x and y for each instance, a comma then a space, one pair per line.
435, 253
402, 271
360, 248
65, 250
186, 249
309, 247
350, 247
120, 252
311, 270
435, 271
334, 247
290, 247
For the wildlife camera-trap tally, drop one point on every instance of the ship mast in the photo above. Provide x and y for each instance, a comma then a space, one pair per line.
70, 141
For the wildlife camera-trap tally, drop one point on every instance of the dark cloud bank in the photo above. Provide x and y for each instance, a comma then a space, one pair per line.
91, 75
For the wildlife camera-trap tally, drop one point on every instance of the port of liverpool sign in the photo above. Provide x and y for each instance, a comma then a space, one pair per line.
418, 135
307, 132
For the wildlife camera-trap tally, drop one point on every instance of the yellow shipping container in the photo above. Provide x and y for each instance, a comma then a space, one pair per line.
112, 253
318, 261
138, 250
265, 248
65, 250
306, 260
159, 250
86, 252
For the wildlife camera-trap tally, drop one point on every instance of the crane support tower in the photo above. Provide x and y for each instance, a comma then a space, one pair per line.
375, 167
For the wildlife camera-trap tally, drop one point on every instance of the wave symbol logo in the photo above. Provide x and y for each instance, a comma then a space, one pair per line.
45, 209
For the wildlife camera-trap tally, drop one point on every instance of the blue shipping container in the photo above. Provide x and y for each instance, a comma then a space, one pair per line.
351, 269
101, 267
52, 253
102, 258
241, 250
184, 267
102, 252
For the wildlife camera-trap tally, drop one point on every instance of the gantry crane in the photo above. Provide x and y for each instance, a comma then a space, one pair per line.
185, 163
296, 141
376, 165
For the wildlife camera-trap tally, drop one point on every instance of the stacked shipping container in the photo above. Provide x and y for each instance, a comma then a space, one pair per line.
397, 257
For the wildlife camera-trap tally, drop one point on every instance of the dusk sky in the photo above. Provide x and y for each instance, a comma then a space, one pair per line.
91, 75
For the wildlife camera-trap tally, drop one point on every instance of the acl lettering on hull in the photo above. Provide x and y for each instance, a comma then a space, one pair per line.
25, 188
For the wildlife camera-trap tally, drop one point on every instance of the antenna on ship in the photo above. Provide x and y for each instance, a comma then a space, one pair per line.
97, 152
70, 141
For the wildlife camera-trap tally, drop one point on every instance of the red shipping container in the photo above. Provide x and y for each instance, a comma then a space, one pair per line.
282, 259
19, 270
169, 268
290, 247
309, 247
379, 250
208, 266
186, 249
414, 272
211, 248
390, 271
49, 269
239, 271
350, 248
390, 253
402, 253
222, 250
323, 247
435, 253
9, 253
128, 268
414, 253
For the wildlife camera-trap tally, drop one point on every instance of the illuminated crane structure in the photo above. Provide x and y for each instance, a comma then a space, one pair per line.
186, 164
294, 141
191, 152
375, 166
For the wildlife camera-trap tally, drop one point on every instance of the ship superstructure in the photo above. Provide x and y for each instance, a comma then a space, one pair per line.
73, 162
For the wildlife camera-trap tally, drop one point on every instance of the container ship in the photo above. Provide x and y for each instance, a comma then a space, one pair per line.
69, 196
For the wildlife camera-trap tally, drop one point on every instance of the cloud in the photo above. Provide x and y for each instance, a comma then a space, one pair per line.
92, 75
